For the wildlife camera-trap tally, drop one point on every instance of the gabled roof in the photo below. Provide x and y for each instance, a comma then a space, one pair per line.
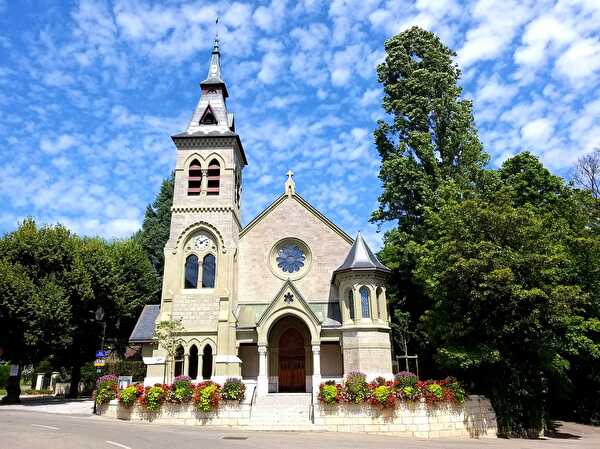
298, 300
143, 332
305, 204
360, 257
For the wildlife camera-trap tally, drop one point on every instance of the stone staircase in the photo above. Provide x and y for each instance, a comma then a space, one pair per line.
282, 411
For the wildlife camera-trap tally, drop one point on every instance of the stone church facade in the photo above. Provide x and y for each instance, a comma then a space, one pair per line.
287, 301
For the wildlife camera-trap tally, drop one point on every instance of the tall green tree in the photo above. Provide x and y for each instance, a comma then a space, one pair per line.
508, 311
155, 229
136, 285
430, 139
34, 307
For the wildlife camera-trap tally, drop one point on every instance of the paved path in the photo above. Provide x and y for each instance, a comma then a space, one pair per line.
53, 405
33, 430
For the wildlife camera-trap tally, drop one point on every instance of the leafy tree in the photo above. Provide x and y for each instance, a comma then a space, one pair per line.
34, 308
166, 333
507, 311
155, 230
136, 285
429, 140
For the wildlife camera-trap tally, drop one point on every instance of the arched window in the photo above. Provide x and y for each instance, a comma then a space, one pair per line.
351, 304
214, 177
193, 362
381, 306
207, 358
238, 186
191, 271
208, 271
194, 178
364, 302
179, 361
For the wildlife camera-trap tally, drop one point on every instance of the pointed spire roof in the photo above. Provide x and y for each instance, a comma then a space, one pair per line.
360, 257
214, 69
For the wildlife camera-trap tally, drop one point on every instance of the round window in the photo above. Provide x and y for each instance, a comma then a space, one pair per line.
290, 258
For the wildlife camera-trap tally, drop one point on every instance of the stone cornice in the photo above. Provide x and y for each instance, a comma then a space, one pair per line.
200, 209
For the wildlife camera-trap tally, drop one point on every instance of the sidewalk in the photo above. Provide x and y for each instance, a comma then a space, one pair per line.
52, 405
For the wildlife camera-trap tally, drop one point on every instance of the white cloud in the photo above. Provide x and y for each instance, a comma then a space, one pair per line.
538, 131
370, 97
581, 61
61, 143
498, 22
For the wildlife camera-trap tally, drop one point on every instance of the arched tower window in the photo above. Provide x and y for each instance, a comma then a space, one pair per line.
208, 271
193, 362
214, 178
381, 306
194, 178
364, 302
179, 361
191, 271
207, 359
351, 304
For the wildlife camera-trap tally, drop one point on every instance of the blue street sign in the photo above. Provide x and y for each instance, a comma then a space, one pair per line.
100, 354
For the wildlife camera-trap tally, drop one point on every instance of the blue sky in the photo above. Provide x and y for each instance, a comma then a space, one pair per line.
90, 92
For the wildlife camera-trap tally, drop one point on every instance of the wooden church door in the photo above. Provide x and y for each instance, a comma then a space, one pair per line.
292, 362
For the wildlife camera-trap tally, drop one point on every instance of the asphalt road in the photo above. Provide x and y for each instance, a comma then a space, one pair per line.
35, 430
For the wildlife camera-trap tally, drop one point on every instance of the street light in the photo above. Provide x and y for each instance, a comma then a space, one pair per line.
99, 316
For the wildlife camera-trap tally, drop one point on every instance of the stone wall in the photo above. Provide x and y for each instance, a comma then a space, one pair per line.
473, 419
229, 414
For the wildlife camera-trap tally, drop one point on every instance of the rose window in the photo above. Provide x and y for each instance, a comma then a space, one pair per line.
290, 258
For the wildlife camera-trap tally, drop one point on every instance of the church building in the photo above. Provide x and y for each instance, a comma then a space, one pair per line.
287, 301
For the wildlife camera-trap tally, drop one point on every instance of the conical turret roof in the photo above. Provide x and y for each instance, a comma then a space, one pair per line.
360, 257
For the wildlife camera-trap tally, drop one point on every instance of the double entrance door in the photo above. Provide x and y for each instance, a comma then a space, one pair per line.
292, 362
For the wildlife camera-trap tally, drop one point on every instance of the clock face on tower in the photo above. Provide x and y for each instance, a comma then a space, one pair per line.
202, 242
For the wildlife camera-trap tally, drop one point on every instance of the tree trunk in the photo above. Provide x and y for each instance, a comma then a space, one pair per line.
75, 378
13, 389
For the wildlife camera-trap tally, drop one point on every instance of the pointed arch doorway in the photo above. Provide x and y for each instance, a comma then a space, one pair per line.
290, 366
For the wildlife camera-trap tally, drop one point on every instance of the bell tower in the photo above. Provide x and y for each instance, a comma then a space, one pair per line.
200, 276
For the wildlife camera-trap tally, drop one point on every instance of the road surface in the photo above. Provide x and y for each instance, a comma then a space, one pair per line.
23, 429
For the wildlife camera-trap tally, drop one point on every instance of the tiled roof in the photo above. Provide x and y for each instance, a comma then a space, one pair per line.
144, 328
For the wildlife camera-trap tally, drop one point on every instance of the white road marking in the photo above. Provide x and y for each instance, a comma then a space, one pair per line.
114, 443
45, 427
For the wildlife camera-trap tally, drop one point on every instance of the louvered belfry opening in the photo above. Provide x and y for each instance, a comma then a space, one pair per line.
194, 178
214, 178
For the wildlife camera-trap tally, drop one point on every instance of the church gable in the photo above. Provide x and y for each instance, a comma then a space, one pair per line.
292, 224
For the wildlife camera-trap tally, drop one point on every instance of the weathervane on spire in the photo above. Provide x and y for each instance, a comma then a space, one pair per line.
290, 185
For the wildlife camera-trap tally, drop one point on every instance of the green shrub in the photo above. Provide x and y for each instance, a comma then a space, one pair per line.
436, 390
106, 389
154, 397
457, 390
406, 379
409, 392
357, 387
128, 395
207, 396
233, 390
383, 395
4, 374
328, 393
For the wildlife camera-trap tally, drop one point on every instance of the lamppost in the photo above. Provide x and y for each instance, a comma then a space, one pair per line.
99, 316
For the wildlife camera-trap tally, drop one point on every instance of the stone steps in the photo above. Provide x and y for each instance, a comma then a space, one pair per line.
282, 411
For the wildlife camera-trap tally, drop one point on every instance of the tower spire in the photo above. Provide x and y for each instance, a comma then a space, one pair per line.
214, 68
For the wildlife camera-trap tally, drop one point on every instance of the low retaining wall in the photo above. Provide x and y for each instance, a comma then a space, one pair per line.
229, 414
473, 419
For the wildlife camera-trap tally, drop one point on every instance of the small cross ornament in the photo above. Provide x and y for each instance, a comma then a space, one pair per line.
288, 298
